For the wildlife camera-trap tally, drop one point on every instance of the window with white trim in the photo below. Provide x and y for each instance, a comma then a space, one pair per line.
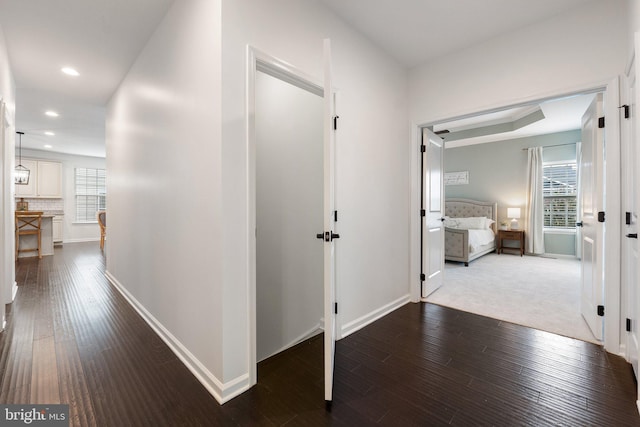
560, 191
91, 193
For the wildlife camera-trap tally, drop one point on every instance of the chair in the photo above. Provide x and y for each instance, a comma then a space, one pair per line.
102, 221
29, 223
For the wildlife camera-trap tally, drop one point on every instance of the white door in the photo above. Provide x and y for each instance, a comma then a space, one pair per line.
631, 199
329, 224
591, 176
433, 205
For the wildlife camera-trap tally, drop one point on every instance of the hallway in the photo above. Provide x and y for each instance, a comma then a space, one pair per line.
72, 338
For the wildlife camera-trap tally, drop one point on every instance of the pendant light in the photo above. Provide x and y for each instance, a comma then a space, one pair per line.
21, 174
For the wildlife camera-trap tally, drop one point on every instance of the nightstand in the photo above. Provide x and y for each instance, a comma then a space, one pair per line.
516, 235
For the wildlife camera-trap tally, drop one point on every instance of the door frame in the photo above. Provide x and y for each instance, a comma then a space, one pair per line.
611, 93
258, 60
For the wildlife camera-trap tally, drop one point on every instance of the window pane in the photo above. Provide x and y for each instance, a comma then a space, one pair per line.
560, 179
560, 187
90, 193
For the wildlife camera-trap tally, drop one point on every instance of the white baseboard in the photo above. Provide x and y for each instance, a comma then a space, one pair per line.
638, 405
83, 240
369, 318
14, 291
317, 329
222, 392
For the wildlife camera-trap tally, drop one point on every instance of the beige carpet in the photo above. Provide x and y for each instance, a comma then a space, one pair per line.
542, 293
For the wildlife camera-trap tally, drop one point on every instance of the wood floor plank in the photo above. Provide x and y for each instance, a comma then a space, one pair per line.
45, 387
71, 337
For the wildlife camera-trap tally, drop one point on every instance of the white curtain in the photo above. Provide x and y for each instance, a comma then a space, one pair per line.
535, 202
579, 204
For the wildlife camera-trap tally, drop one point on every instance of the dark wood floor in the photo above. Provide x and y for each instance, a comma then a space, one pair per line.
71, 338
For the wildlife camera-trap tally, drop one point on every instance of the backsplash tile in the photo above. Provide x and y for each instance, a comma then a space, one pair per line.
44, 204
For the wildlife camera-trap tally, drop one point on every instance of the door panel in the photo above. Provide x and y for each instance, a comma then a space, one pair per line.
433, 228
329, 246
591, 174
631, 200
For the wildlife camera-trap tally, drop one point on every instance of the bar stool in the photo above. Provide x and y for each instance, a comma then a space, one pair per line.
102, 221
29, 223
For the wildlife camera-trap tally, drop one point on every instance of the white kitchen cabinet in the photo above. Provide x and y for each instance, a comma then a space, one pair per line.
45, 180
58, 223
49, 179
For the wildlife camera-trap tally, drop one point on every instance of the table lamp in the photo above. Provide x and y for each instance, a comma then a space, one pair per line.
514, 214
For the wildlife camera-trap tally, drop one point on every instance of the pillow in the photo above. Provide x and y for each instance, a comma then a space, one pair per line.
488, 222
472, 223
450, 222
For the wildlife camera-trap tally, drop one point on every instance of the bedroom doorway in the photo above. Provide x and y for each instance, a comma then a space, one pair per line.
495, 166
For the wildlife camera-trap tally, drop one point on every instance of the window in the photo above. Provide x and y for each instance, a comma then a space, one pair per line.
560, 190
91, 193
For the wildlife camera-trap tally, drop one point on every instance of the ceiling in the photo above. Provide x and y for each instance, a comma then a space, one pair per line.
556, 115
101, 39
417, 31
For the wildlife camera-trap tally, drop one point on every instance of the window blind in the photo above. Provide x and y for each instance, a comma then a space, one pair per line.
560, 188
91, 193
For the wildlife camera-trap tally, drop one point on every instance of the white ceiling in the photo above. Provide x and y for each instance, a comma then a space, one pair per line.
102, 38
559, 115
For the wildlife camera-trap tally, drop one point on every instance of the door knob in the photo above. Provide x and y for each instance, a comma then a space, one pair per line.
320, 236
334, 236
579, 224
632, 235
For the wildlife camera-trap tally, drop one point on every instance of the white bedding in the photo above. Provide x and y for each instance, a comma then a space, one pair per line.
478, 238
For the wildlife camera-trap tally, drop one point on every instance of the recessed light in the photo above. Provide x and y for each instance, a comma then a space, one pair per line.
70, 71
49, 133
51, 113
48, 146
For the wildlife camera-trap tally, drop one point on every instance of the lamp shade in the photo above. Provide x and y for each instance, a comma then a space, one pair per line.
513, 213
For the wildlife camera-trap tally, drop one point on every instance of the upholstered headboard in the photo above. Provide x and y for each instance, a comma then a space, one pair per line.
465, 208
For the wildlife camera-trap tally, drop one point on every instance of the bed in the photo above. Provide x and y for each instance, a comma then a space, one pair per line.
470, 227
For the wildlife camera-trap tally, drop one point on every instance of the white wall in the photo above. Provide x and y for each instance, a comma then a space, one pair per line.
289, 214
372, 255
72, 231
186, 262
7, 242
163, 178
582, 47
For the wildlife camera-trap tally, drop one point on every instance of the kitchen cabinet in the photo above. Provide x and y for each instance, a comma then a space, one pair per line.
45, 180
57, 224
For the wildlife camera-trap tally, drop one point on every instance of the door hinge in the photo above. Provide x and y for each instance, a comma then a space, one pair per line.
626, 111
335, 216
335, 122
423, 212
627, 218
601, 310
335, 307
600, 216
423, 277
628, 325
423, 148
601, 123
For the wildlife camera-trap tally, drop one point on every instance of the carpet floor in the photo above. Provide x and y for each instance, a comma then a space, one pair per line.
539, 292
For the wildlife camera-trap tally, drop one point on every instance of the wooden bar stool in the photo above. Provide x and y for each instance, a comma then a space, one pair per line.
102, 221
29, 223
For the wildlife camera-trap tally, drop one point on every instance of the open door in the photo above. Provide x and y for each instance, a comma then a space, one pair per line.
330, 303
631, 200
591, 175
433, 209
